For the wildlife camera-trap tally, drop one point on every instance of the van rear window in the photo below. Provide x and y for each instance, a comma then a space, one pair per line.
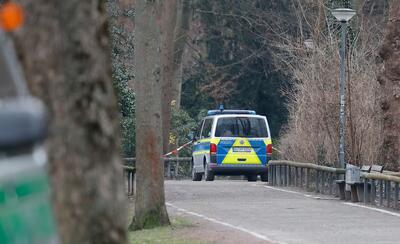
241, 127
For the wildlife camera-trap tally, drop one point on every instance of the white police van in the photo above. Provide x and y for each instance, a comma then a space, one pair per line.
232, 142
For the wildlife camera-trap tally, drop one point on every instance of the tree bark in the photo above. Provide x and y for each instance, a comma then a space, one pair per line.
150, 207
181, 34
169, 16
390, 84
64, 50
176, 26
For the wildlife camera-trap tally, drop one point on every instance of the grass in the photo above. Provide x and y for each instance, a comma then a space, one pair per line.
166, 235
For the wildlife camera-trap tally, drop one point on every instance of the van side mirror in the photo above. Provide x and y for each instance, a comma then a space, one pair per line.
23, 122
192, 136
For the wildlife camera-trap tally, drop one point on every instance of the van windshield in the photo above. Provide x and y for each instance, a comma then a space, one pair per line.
241, 127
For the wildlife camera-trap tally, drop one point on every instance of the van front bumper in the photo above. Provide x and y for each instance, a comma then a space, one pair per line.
238, 169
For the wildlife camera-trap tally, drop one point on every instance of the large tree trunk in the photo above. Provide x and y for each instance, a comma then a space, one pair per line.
167, 39
65, 54
390, 83
181, 34
175, 27
150, 207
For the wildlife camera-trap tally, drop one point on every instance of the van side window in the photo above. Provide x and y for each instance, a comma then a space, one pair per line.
206, 133
198, 131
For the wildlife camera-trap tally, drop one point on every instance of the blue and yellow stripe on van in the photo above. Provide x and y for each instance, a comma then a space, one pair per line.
226, 156
203, 146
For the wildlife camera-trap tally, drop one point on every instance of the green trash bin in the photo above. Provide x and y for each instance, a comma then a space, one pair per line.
26, 215
25, 210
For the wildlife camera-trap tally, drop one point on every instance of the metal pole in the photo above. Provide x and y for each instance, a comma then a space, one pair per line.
365, 190
169, 169
288, 175
380, 192
133, 183
396, 195
12, 73
301, 177
279, 175
373, 192
130, 183
388, 194
342, 94
322, 182
176, 169
270, 175
284, 175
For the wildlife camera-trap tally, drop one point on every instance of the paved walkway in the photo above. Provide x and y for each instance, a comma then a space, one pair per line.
279, 215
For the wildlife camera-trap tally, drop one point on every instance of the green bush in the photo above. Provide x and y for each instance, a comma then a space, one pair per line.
181, 125
126, 102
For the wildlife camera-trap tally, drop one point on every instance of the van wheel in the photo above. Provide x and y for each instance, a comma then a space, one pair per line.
252, 178
196, 176
264, 177
208, 175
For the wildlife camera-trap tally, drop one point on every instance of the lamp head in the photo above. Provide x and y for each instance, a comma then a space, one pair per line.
343, 14
309, 43
11, 16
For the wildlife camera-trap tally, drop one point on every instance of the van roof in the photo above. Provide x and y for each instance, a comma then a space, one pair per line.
220, 112
235, 115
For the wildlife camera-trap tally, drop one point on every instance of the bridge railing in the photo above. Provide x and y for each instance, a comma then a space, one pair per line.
174, 168
318, 178
381, 189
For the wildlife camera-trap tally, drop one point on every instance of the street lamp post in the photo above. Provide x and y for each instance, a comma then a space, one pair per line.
343, 15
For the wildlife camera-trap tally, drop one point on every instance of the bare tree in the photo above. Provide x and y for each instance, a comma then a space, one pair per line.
389, 81
150, 207
65, 53
167, 54
174, 27
181, 32
312, 131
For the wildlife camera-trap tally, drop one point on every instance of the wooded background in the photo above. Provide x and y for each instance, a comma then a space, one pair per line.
170, 61
251, 55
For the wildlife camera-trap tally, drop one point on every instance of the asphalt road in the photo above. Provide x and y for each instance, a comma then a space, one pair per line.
279, 215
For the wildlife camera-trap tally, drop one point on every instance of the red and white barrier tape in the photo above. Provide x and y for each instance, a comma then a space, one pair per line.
175, 151
276, 149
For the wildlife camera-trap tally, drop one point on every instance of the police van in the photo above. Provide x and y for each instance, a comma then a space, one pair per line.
231, 142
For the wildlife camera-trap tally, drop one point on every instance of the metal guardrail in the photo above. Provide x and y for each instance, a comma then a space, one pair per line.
374, 188
175, 168
378, 188
387, 172
129, 175
319, 178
